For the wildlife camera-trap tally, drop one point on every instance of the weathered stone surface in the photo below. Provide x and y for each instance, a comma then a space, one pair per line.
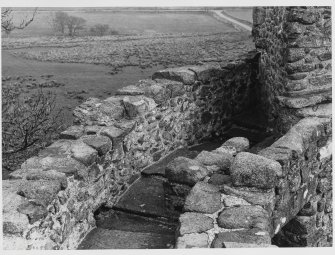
192, 241
99, 239
130, 90
48, 175
239, 143
83, 153
247, 245
264, 198
172, 88
63, 164
203, 198
194, 223
244, 216
215, 162
321, 110
219, 179
100, 143
184, 170
138, 105
254, 171
226, 149
182, 74
34, 211
113, 133
13, 221
230, 201
73, 132
254, 236
99, 112
92, 130
301, 102
58, 148
41, 191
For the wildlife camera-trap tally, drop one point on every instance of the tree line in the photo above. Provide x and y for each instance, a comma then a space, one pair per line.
66, 24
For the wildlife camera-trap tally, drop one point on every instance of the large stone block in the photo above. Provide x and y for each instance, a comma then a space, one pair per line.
194, 223
182, 74
185, 170
264, 198
41, 191
100, 143
255, 171
215, 162
254, 236
138, 105
48, 175
203, 198
73, 132
192, 241
83, 153
239, 143
245, 216
130, 90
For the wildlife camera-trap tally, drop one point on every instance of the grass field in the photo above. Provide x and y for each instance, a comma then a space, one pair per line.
127, 22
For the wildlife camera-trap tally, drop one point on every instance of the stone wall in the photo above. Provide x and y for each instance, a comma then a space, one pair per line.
245, 200
295, 62
49, 202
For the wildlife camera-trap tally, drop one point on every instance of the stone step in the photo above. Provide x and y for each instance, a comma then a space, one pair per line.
320, 110
146, 197
304, 101
100, 238
117, 220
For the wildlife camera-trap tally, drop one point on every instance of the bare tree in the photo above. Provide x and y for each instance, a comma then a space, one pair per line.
29, 123
7, 23
74, 24
59, 21
99, 29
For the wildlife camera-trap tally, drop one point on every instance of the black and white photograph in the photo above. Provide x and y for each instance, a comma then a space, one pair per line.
166, 125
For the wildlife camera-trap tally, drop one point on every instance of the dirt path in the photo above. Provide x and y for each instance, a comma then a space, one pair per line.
219, 13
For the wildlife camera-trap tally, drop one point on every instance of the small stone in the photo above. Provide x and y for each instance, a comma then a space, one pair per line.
203, 198
215, 161
244, 216
185, 170
83, 153
246, 245
194, 223
73, 133
241, 236
239, 143
255, 171
219, 179
192, 241
100, 143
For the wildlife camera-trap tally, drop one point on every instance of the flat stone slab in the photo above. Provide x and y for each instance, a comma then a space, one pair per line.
100, 238
117, 220
252, 236
146, 197
158, 168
